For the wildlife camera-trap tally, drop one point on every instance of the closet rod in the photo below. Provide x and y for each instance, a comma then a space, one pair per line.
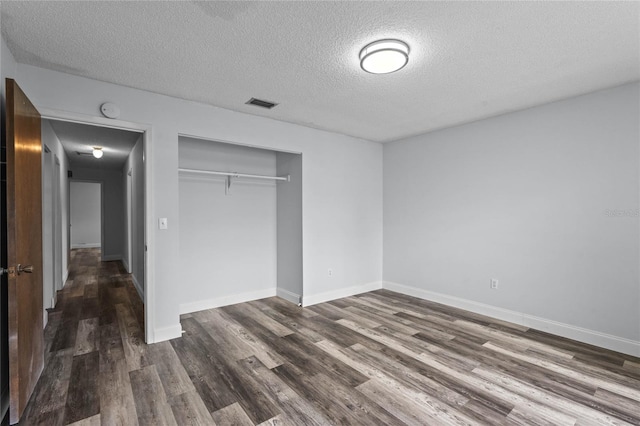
286, 178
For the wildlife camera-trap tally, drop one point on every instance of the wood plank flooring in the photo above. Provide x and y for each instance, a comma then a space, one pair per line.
376, 358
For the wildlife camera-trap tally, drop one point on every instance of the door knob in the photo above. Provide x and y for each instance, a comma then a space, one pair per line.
28, 269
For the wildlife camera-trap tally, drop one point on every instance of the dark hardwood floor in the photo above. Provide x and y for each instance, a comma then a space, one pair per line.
376, 358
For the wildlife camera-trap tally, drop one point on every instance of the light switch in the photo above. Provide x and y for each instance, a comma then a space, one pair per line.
163, 223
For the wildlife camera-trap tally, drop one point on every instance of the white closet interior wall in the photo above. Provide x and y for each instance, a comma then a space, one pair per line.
228, 242
290, 276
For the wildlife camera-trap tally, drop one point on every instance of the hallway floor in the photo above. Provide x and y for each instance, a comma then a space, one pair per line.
92, 334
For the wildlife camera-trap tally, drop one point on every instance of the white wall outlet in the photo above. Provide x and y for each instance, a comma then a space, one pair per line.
494, 284
163, 223
330, 273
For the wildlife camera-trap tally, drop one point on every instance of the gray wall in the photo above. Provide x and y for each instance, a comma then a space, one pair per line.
113, 208
546, 200
227, 242
86, 223
136, 165
289, 225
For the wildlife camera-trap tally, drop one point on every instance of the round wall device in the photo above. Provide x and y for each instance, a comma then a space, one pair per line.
110, 110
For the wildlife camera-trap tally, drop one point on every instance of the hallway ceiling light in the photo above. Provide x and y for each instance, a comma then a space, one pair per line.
97, 151
384, 56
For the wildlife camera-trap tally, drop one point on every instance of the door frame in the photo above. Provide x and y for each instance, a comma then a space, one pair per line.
129, 218
48, 223
149, 234
57, 230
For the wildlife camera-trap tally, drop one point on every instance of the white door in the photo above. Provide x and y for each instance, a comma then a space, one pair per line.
86, 222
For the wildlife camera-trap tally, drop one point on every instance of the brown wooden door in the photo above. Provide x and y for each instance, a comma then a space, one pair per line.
24, 247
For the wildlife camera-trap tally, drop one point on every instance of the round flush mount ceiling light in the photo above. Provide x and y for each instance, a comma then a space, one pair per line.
384, 56
97, 151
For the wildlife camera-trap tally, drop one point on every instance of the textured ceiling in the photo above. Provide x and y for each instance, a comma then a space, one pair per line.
75, 137
469, 60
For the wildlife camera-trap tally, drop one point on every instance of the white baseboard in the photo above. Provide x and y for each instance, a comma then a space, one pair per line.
340, 293
85, 245
288, 295
126, 265
201, 305
138, 287
597, 338
111, 257
166, 333
608, 341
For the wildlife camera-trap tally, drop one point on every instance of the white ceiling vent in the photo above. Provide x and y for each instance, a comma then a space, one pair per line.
261, 103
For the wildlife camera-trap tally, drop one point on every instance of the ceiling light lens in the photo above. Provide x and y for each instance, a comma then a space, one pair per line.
97, 152
384, 56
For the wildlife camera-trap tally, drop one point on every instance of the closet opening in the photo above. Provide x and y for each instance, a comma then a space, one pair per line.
240, 224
